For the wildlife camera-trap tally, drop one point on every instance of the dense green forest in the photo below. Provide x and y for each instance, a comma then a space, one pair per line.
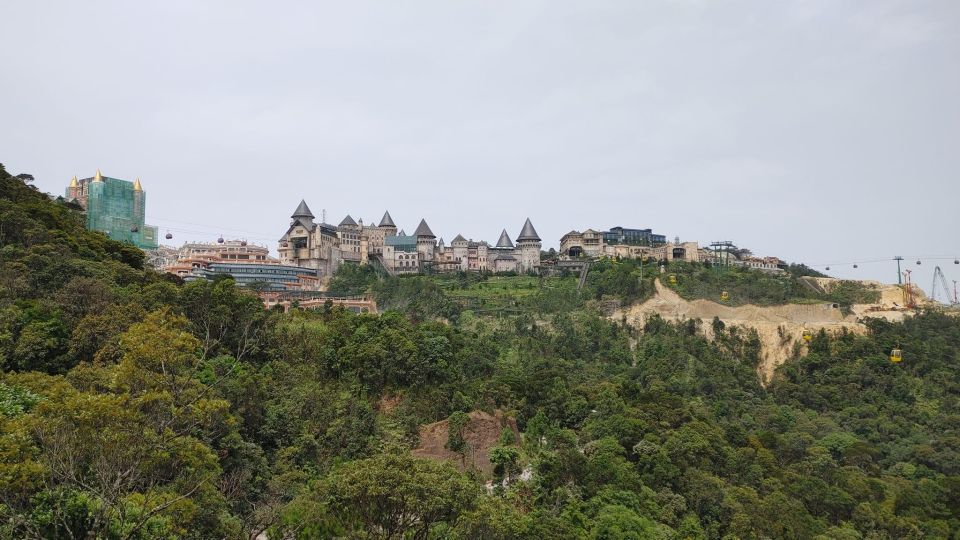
136, 406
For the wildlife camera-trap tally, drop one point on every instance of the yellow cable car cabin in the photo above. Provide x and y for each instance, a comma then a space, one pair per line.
724, 296
807, 336
672, 278
896, 355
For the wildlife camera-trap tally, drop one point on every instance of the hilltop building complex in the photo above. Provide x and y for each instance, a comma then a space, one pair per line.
627, 243
249, 265
323, 247
115, 207
310, 252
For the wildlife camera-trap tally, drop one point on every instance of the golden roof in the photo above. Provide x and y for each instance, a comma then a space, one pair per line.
98, 177
137, 186
73, 182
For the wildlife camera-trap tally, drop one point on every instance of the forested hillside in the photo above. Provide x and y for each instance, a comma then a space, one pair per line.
135, 406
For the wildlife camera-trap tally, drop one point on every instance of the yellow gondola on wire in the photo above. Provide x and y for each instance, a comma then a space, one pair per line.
724, 296
807, 336
672, 278
896, 354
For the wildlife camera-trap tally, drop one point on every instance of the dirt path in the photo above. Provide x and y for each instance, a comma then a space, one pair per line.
780, 327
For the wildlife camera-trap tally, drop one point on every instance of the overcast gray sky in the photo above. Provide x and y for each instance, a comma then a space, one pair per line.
819, 131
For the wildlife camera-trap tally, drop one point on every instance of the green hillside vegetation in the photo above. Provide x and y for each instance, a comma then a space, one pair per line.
135, 406
747, 286
609, 282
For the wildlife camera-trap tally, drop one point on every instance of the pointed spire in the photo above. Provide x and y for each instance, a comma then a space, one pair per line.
423, 230
458, 238
98, 177
504, 241
73, 182
387, 221
137, 186
302, 211
347, 221
528, 232
402, 233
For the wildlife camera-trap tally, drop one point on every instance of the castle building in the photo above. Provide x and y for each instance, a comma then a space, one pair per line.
469, 255
627, 243
588, 243
115, 207
421, 252
309, 244
376, 236
528, 248
400, 254
323, 247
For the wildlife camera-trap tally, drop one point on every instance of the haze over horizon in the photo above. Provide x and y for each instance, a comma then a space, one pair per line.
813, 131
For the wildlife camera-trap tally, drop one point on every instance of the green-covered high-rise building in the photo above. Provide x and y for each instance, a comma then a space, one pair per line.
115, 207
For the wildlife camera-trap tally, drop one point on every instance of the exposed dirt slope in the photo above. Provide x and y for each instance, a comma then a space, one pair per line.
780, 327
481, 434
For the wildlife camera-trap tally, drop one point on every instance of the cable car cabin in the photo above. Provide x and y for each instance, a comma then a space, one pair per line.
672, 278
724, 296
807, 336
896, 355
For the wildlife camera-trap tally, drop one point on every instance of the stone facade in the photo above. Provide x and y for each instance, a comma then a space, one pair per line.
309, 244
627, 244
462, 254
588, 243
323, 247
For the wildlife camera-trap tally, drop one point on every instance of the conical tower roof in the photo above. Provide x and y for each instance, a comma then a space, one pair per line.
528, 232
137, 186
98, 177
73, 182
347, 221
387, 221
423, 230
402, 233
504, 241
302, 211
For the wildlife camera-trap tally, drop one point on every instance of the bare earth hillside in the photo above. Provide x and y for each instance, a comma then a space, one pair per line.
780, 327
481, 434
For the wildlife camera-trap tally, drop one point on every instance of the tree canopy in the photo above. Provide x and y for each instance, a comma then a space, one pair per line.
133, 405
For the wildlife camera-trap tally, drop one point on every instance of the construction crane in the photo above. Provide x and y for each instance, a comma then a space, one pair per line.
940, 286
908, 298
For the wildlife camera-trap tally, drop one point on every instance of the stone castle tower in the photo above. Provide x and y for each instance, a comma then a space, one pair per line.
528, 248
425, 241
